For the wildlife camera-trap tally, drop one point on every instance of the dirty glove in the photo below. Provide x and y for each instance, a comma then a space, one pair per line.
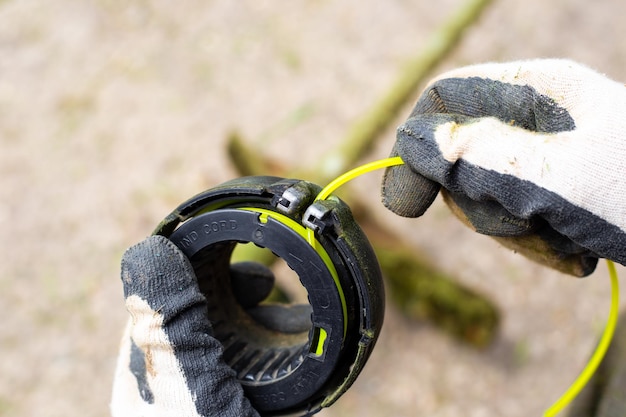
169, 364
532, 153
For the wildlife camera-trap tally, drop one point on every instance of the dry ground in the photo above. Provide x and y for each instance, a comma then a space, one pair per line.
112, 113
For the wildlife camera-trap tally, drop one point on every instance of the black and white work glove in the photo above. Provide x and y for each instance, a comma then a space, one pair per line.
531, 152
169, 363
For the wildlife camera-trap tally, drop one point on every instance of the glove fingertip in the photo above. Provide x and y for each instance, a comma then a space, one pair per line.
407, 193
156, 271
251, 282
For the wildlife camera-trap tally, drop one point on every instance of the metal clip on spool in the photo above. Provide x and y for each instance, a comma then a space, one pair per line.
285, 373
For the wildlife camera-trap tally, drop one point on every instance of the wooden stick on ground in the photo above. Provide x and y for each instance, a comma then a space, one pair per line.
417, 288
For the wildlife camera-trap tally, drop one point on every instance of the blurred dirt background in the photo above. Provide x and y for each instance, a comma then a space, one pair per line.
113, 112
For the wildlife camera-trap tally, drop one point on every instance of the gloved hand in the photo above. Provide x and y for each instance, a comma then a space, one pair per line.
169, 363
531, 152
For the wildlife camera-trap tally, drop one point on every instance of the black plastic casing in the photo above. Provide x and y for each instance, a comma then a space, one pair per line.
307, 383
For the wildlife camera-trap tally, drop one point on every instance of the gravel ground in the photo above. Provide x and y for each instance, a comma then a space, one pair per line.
112, 113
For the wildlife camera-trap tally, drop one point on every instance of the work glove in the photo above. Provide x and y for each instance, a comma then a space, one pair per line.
169, 362
532, 153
